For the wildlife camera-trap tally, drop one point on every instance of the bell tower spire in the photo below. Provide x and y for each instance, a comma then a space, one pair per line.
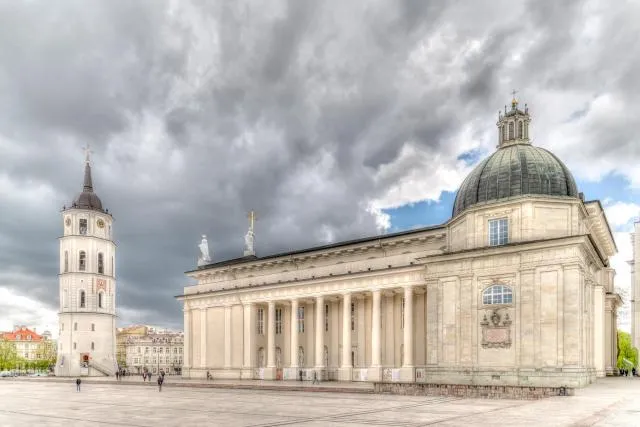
88, 182
513, 125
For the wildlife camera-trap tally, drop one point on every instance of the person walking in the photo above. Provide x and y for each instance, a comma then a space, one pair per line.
315, 378
160, 381
78, 381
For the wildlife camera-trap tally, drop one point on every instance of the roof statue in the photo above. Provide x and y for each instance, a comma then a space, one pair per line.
249, 238
204, 257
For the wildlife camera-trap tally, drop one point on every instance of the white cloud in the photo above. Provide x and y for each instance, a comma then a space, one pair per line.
621, 215
22, 310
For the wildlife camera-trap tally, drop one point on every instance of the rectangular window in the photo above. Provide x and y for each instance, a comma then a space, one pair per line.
83, 226
353, 316
300, 320
100, 263
498, 232
260, 322
326, 317
402, 314
278, 320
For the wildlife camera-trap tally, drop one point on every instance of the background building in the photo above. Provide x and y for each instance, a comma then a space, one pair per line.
30, 350
86, 344
515, 289
148, 348
26, 341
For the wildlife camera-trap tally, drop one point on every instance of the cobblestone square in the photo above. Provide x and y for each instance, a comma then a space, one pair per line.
610, 402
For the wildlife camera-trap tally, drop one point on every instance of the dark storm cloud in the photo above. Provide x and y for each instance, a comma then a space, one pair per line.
198, 112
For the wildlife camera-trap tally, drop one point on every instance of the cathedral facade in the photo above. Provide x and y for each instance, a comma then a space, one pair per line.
87, 316
515, 289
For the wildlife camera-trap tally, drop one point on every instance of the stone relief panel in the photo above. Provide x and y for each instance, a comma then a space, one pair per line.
496, 329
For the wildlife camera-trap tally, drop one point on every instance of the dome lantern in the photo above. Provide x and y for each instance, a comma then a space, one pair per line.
513, 126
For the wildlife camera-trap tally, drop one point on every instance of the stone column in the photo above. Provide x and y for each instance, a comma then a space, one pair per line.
248, 345
375, 330
227, 337
319, 359
408, 328
346, 368
271, 338
186, 352
203, 338
375, 370
407, 373
294, 334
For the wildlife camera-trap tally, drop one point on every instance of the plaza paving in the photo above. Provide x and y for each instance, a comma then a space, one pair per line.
52, 402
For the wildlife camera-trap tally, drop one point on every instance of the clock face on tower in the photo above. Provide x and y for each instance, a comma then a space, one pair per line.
100, 223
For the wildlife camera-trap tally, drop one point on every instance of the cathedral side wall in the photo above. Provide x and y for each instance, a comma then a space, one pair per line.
540, 338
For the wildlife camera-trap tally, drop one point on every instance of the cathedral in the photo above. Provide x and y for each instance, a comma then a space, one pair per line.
87, 316
515, 289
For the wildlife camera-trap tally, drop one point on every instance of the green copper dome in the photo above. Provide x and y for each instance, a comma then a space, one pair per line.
517, 168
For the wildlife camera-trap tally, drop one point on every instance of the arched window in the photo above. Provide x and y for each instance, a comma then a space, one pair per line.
510, 130
83, 226
113, 272
83, 299
75, 326
93, 347
526, 130
100, 263
93, 327
100, 300
520, 129
503, 134
497, 294
66, 261
82, 261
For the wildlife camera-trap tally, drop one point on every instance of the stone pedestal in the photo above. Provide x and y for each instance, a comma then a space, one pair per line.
269, 373
408, 374
374, 374
246, 374
345, 374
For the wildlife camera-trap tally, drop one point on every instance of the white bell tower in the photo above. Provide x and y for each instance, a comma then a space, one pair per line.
87, 316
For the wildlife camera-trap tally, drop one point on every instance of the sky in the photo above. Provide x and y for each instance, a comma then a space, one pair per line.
332, 120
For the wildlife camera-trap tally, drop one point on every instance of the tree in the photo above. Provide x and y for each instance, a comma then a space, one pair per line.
8, 355
626, 353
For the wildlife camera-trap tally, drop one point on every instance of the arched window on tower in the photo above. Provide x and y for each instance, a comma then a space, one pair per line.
83, 299
100, 263
520, 129
510, 130
82, 261
113, 272
66, 261
503, 134
100, 299
526, 130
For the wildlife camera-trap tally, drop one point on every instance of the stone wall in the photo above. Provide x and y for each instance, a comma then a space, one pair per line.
472, 391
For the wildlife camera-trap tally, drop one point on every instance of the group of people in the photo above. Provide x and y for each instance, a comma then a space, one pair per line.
626, 372
147, 376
